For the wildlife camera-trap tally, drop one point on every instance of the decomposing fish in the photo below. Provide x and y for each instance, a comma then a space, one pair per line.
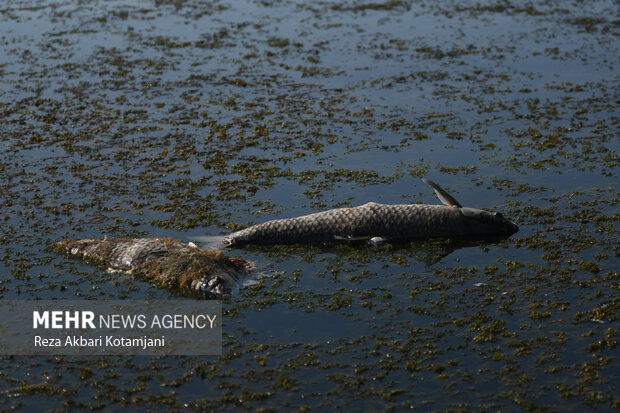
376, 222
208, 271
170, 263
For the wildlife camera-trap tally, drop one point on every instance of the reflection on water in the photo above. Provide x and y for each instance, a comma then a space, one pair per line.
180, 119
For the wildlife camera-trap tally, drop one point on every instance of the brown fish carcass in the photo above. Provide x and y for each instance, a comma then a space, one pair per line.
168, 262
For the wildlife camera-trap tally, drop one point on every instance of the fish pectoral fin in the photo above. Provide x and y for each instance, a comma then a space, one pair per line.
443, 196
371, 239
352, 238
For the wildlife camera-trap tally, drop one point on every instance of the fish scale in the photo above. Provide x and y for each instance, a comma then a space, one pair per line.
368, 220
378, 220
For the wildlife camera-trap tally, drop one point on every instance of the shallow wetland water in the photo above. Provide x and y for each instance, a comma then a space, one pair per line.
193, 118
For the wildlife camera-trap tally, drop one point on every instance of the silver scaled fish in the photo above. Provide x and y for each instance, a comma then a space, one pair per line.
378, 222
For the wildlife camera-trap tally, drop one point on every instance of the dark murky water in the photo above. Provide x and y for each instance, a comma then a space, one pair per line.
184, 119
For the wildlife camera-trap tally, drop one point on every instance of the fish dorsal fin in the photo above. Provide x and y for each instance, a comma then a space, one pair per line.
443, 196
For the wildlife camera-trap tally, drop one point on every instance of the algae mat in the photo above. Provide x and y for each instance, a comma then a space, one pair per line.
184, 118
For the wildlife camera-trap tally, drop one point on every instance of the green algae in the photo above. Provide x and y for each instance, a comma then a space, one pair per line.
209, 131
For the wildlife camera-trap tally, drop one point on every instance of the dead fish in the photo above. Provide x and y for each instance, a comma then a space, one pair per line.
378, 222
171, 263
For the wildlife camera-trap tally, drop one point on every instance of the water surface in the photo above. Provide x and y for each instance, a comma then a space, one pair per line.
185, 119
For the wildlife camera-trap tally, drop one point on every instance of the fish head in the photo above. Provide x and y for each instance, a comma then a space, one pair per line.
488, 223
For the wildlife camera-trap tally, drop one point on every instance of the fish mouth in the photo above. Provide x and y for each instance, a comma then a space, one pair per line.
511, 228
